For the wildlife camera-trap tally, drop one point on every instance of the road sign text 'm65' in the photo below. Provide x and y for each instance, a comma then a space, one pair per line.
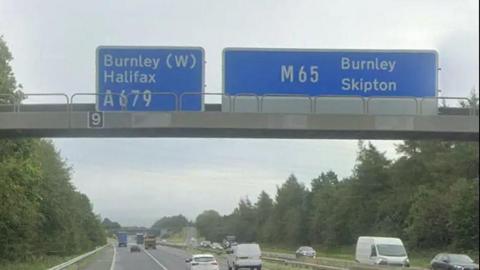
330, 72
149, 78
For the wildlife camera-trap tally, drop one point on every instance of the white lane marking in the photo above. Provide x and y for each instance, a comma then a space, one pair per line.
155, 260
112, 266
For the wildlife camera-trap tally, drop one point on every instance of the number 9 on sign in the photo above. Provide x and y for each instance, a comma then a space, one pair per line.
95, 119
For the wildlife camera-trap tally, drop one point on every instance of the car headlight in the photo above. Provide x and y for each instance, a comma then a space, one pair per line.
458, 267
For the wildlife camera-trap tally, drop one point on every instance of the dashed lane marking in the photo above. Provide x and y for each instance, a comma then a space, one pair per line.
155, 260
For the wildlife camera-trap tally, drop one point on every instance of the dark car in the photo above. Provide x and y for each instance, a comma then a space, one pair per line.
305, 252
448, 261
134, 248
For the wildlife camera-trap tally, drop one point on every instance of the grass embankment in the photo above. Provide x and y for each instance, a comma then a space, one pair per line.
417, 258
276, 266
178, 238
420, 259
51, 261
42, 263
83, 264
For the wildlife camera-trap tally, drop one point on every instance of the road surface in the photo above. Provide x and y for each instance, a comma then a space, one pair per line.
162, 258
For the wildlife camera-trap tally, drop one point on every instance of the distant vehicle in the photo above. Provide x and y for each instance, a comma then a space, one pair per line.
381, 251
150, 242
122, 239
229, 239
202, 262
140, 238
244, 256
217, 246
206, 244
135, 248
448, 261
305, 252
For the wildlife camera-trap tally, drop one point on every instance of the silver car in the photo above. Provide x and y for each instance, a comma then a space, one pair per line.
202, 262
305, 252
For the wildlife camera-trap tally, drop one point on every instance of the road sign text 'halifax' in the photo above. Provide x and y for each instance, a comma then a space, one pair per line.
149, 78
365, 73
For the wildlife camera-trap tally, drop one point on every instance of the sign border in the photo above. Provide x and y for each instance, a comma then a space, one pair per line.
433, 51
97, 51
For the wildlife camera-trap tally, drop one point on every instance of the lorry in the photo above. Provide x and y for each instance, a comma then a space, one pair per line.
150, 242
122, 239
140, 238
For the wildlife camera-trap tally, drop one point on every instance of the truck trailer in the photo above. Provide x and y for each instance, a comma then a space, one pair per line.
150, 242
140, 238
122, 239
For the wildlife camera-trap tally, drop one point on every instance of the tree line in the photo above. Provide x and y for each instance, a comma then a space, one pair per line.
427, 196
167, 226
41, 213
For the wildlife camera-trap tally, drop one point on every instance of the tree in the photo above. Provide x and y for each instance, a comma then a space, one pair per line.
19, 180
208, 224
173, 224
369, 184
19, 210
290, 213
463, 214
264, 209
428, 196
428, 220
111, 225
41, 213
323, 198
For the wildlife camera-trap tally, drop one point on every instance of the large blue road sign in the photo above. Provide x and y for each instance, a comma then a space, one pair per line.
149, 78
330, 72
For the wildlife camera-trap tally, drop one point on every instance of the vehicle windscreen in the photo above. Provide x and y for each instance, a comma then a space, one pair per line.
459, 258
204, 259
391, 250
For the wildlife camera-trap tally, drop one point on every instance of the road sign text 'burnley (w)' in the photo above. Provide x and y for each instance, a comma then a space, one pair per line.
150, 78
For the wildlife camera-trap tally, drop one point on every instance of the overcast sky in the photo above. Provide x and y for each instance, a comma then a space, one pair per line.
136, 181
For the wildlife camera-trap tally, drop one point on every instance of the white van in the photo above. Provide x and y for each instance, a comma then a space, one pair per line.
382, 251
244, 256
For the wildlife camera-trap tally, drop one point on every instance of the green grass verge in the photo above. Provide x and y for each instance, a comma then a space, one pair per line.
417, 258
276, 266
342, 252
40, 264
87, 261
178, 238
50, 261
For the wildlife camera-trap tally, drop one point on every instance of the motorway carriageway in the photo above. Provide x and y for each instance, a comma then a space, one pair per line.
162, 258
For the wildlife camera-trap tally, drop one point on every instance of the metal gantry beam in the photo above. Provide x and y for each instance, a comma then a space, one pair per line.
57, 121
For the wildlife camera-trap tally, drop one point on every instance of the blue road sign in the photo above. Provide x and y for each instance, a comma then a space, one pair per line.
149, 78
330, 72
